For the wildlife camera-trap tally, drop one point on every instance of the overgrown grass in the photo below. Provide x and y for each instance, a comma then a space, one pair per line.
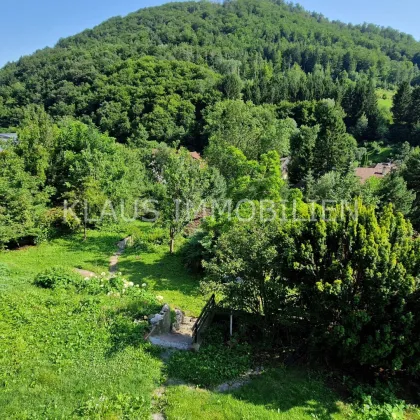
65, 354
290, 394
149, 262
215, 363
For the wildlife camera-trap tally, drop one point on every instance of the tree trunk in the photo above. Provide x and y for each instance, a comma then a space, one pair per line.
84, 232
171, 241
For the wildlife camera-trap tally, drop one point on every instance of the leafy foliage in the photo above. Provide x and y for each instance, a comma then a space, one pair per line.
214, 364
56, 277
348, 275
150, 75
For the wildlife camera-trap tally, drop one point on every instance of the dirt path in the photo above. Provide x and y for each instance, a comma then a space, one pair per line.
113, 262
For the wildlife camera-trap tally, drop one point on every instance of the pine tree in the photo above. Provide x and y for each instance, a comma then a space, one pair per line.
302, 146
415, 106
334, 148
402, 104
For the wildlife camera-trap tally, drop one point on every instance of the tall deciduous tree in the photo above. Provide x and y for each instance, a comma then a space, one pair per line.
183, 183
254, 130
244, 263
37, 137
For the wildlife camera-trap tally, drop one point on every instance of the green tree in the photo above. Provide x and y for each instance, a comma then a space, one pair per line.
183, 184
401, 107
244, 266
334, 148
411, 174
352, 277
37, 138
414, 111
254, 130
302, 148
245, 178
22, 202
393, 189
232, 86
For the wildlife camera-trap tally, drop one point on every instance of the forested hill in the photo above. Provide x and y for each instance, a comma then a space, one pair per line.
166, 64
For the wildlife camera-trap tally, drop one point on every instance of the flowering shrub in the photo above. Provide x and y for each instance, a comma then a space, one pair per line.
114, 285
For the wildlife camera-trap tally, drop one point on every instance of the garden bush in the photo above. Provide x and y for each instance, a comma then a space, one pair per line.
377, 402
56, 277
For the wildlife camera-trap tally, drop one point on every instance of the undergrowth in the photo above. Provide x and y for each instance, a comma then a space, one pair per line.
215, 363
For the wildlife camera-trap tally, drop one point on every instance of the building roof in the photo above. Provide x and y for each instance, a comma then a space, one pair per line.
8, 136
195, 155
377, 171
5, 137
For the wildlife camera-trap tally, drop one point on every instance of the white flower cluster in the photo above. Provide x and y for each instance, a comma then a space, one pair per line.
104, 278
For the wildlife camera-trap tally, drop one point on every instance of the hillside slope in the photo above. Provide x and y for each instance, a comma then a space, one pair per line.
150, 74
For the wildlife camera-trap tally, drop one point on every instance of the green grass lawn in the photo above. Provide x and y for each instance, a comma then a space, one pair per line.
289, 394
385, 98
152, 264
381, 156
163, 273
69, 354
65, 354
69, 251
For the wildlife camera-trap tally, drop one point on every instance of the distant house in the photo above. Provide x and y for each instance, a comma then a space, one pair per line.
195, 155
6, 138
377, 171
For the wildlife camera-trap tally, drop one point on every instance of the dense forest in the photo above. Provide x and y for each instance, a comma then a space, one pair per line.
167, 64
283, 107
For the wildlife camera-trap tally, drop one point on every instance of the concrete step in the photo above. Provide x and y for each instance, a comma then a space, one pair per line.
180, 339
173, 341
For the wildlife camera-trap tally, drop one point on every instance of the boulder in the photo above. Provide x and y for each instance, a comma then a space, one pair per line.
179, 319
157, 318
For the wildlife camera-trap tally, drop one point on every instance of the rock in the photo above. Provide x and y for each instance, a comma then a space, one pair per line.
179, 319
165, 308
157, 318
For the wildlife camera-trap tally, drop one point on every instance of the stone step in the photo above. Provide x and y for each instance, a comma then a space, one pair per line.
173, 341
180, 339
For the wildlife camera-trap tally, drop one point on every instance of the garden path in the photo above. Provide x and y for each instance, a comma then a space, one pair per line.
113, 262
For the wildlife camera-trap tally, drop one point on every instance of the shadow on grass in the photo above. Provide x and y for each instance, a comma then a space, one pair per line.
283, 389
161, 270
97, 241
